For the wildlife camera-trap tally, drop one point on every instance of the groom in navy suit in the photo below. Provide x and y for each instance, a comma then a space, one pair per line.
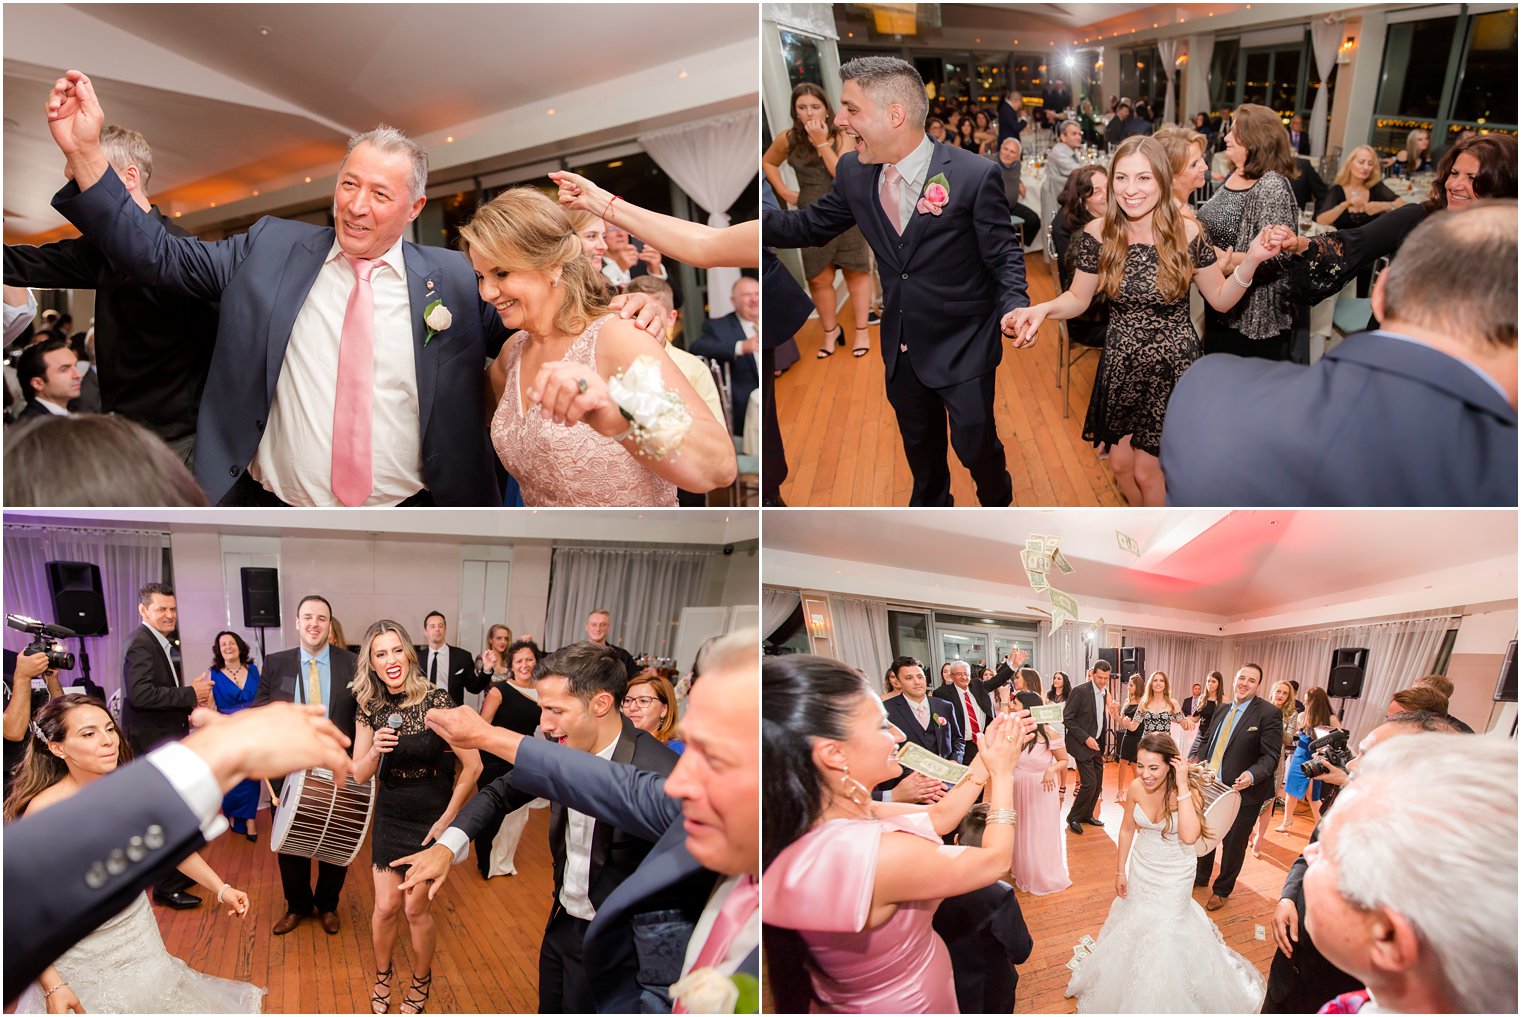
950, 263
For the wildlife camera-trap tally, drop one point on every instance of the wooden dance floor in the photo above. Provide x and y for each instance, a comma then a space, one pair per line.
842, 438
487, 960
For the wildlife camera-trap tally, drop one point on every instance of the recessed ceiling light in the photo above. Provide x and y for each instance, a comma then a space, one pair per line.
178, 214
449, 140
308, 179
264, 30
549, 112
255, 194
213, 204
614, 165
683, 74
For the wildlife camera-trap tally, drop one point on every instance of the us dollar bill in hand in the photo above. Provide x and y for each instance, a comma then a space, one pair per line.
922, 760
1048, 714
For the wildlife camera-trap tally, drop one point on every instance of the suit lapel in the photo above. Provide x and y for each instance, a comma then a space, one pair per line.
296, 281
602, 833
420, 274
877, 222
913, 230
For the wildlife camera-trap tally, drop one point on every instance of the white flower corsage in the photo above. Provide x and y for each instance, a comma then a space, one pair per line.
658, 419
437, 317
707, 991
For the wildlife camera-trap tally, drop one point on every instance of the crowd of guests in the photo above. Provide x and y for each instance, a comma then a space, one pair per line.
446, 777
888, 889
587, 407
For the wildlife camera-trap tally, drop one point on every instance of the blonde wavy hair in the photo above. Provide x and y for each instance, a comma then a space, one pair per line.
1146, 697
1175, 272
524, 230
1180, 143
369, 690
1344, 175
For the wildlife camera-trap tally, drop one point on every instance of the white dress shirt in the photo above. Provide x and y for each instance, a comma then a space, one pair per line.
575, 889
53, 408
746, 940
295, 456
739, 347
969, 701
442, 653
193, 781
915, 170
163, 642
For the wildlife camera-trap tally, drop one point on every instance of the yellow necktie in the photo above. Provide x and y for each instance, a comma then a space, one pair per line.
1225, 736
313, 684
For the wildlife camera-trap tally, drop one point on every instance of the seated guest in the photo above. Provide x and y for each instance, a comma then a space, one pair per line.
1115, 131
111, 461
625, 259
1443, 944
49, 375
692, 367
1307, 185
1358, 193
1083, 199
1423, 410
1011, 164
1443, 684
734, 339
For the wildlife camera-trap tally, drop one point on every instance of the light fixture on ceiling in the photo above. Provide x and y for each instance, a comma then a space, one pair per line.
549, 112
449, 140
264, 30
1071, 63
308, 179
683, 74
255, 194
615, 164
213, 204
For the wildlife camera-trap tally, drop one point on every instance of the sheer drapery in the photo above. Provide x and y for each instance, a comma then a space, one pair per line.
1324, 39
713, 161
776, 607
1399, 651
644, 590
860, 635
814, 19
1167, 55
1062, 651
1201, 50
127, 559
1184, 658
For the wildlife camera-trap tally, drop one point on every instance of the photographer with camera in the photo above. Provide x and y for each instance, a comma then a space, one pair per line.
1316, 723
44, 657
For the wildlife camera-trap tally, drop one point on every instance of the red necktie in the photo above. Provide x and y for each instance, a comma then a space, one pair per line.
731, 918
971, 714
891, 196
353, 398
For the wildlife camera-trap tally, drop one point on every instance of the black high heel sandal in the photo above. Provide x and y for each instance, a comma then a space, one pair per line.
827, 350
861, 351
424, 986
382, 1003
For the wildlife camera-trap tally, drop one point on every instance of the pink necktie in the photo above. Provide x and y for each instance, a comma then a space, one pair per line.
731, 918
891, 184
353, 476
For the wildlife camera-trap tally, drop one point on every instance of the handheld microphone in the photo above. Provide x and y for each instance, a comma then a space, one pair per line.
394, 723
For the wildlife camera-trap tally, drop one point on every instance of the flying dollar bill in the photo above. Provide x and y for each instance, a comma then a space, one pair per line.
1037, 580
1048, 714
1127, 543
1060, 562
1035, 561
922, 760
1064, 602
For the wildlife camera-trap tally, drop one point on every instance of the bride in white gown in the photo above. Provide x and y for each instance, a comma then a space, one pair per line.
122, 966
1158, 951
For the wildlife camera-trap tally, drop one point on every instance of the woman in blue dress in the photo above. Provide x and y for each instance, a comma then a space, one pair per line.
234, 681
1316, 721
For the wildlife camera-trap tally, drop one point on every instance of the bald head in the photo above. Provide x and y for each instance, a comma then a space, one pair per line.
1476, 305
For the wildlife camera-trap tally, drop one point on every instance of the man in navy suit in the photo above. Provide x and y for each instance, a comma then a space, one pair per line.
1421, 411
923, 719
735, 340
1086, 718
1299, 138
973, 706
949, 271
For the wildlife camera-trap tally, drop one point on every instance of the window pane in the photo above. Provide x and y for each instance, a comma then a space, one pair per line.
801, 54
908, 633
1286, 79
1415, 65
1488, 92
1258, 75
1222, 75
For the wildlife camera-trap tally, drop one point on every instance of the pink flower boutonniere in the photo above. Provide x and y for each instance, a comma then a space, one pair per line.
936, 193
939, 719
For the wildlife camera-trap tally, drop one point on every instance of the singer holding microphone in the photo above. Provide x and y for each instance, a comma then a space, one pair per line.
417, 795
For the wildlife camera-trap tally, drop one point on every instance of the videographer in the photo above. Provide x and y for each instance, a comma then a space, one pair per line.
20, 669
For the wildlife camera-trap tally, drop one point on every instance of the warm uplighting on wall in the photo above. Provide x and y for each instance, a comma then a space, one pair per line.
1182, 61
818, 626
894, 19
1345, 50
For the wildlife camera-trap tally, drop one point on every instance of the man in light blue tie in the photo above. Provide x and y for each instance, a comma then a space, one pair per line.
1242, 747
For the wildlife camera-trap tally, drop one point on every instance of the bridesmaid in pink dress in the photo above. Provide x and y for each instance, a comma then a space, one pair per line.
1040, 850
851, 885
556, 427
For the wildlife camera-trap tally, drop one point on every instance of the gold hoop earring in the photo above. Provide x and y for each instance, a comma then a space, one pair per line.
853, 790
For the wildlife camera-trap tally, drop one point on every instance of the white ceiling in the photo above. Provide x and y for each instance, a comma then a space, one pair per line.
1215, 563
227, 107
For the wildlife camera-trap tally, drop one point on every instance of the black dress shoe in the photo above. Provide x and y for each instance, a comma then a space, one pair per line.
179, 900
1074, 826
1094, 821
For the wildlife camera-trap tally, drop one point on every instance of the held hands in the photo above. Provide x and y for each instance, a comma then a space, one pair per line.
1265, 245
569, 393
74, 114
580, 193
1022, 324
429, 866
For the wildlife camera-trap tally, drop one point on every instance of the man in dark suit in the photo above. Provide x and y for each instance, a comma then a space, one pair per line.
448, 667
923, 719
950, 272
662, 922
319, 673
971, 703
1242, 746
580, 690
72, 866
734, 339
985, 934
786, 307
155, 706
49, 376
1423, 409
1086, 718
409, 419
153, 345
1299, 138
1192, 702
1308, 187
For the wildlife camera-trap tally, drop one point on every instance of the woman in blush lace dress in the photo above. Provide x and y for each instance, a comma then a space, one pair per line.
851, 885
1134, 967
121, 967
557, 427
1040, 850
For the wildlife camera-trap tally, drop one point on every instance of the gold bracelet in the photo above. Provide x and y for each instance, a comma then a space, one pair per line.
54, 989
979, 783
1004, 817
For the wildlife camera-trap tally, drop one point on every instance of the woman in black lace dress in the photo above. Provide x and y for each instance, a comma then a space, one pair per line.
1142, 255
417, 794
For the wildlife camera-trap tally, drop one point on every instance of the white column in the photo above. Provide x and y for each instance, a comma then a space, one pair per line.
1360, 79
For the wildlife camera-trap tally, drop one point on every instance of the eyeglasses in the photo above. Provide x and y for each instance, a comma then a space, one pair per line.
643, 702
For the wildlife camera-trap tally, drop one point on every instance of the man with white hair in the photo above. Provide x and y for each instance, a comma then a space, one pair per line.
969, 698
1439, 940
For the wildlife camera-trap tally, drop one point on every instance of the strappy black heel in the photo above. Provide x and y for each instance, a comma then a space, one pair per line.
422, 986
827, 349
382, 1003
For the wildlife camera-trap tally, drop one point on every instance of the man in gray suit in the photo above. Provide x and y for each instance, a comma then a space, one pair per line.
1421, 411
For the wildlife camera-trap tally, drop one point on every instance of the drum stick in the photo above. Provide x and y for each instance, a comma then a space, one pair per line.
274, 799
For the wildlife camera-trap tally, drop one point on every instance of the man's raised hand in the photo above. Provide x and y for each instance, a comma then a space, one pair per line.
74, 114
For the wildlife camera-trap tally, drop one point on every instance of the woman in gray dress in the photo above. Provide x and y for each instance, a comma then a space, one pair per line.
813, 147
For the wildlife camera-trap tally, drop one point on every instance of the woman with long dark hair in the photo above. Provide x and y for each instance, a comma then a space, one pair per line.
1189, 969
511, 703
1061, 688
813, 146
121, 967
234, 683
850, 885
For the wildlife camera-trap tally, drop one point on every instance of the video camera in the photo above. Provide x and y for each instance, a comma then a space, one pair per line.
1334, 752
44, 636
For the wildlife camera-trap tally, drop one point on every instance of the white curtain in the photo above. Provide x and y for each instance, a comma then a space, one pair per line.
1399, 651
644, 590
1184, 658
127, 560
860, 635
1201, 50
1062, 651
1167, 53
1324, 39
776, 607
713, 161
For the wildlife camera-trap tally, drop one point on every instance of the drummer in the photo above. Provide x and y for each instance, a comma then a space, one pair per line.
417, 795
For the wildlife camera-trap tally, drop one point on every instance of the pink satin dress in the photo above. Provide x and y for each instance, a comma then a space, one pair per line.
1040, 850
821, 886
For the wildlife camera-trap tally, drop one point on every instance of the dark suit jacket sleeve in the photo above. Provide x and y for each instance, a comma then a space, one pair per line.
823, 220
1073, 718
65, 264
958, 742
142, 693
1293, 883
1010, 930
490, 806
1269, 745
270, 679
48, 905
715, 346
137, 244
631, 799
998, 241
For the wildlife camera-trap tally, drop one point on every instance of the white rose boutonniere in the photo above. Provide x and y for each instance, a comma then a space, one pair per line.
659, 419
438, 319
707, 991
